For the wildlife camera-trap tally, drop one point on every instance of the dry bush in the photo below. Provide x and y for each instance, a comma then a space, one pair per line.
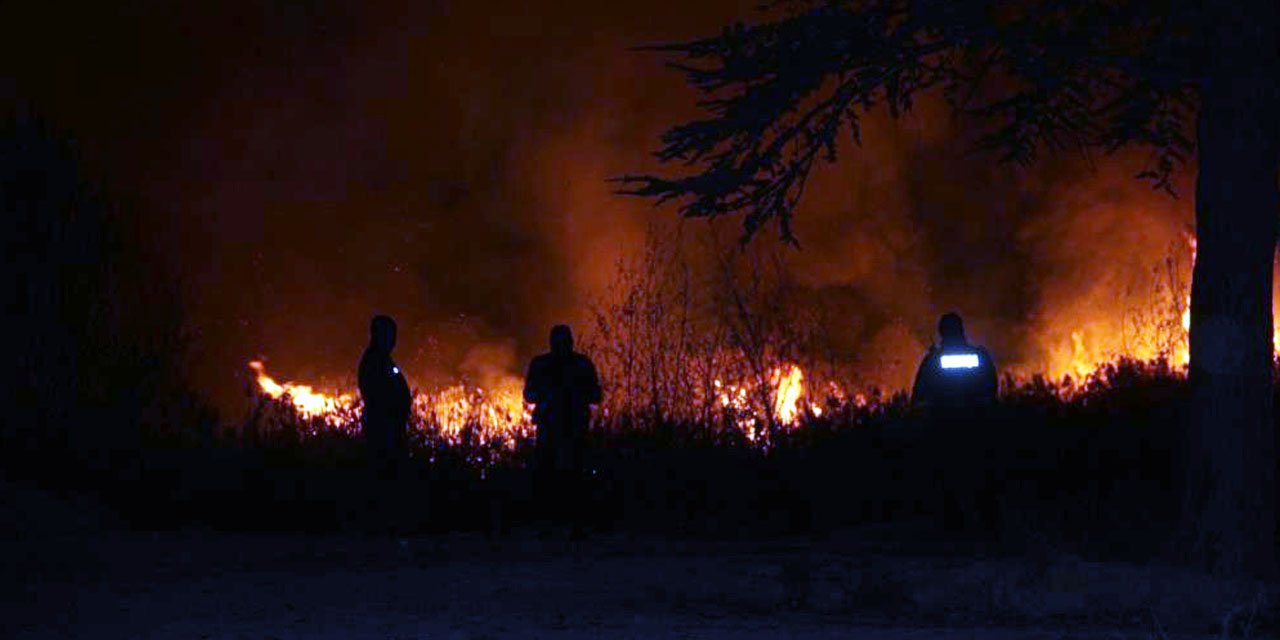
679, 340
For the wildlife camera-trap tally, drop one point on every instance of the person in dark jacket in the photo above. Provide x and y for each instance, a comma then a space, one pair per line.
955, 375
385, 394
955, 386
562, 385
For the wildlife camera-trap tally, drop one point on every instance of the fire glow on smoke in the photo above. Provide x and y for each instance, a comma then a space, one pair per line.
1161, 334
783, 396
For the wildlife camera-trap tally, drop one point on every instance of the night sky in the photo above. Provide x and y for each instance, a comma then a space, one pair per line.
301, 165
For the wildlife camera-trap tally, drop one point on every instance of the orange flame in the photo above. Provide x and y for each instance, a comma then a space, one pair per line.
1086, 357
786, 389
309, 403
788, 384
497, 415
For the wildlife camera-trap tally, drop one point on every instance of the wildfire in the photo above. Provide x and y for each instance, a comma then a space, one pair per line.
1158, 336
455, 413
498, 414
1141, 328
789, 385
310, 404
786, 393
750, 398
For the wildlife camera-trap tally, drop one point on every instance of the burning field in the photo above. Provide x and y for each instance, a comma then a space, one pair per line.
499, 417
747, 373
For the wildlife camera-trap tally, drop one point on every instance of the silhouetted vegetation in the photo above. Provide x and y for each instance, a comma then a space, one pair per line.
94, 332
1094, 470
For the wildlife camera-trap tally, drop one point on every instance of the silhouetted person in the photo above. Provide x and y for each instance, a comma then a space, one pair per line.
562, 385
955, 375
385, 394
955, 385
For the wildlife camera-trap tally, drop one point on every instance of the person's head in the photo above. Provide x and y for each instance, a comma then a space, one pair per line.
382, 332
561, 339
951, 328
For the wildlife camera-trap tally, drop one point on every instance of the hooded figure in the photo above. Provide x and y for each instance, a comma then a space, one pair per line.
955, 383
562, 385
385, 393
955, 375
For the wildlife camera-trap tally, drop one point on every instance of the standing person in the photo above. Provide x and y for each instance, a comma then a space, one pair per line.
562, 385
385, 394
954, 375
955, 384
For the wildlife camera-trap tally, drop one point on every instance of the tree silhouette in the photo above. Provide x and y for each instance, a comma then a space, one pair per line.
1037, 76
93, 358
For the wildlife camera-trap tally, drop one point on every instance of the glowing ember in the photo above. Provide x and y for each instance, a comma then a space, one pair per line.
735, 400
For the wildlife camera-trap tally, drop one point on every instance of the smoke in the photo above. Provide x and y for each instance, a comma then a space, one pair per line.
489, 364
1054, 266
446, 163
1106, 253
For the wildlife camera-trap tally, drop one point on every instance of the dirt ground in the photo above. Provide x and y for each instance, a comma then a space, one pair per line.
73, 573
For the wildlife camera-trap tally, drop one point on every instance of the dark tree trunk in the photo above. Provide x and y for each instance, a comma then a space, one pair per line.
1230, 508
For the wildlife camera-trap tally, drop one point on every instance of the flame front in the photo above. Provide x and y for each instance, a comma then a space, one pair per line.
458, 412
749, 397
499, 414
310, 404
495, 415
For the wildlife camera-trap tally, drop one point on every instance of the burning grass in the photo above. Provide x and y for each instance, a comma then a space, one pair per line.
753, 362
488, 429
487, 426
497, 420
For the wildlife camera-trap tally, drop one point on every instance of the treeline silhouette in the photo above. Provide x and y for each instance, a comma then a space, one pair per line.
93, 335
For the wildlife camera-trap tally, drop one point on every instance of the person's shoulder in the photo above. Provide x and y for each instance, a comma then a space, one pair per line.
984, 353
929, 364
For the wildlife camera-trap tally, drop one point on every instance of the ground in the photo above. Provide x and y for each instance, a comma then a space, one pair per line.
74, 573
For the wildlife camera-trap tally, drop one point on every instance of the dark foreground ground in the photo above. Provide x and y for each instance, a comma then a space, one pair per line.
73, 571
